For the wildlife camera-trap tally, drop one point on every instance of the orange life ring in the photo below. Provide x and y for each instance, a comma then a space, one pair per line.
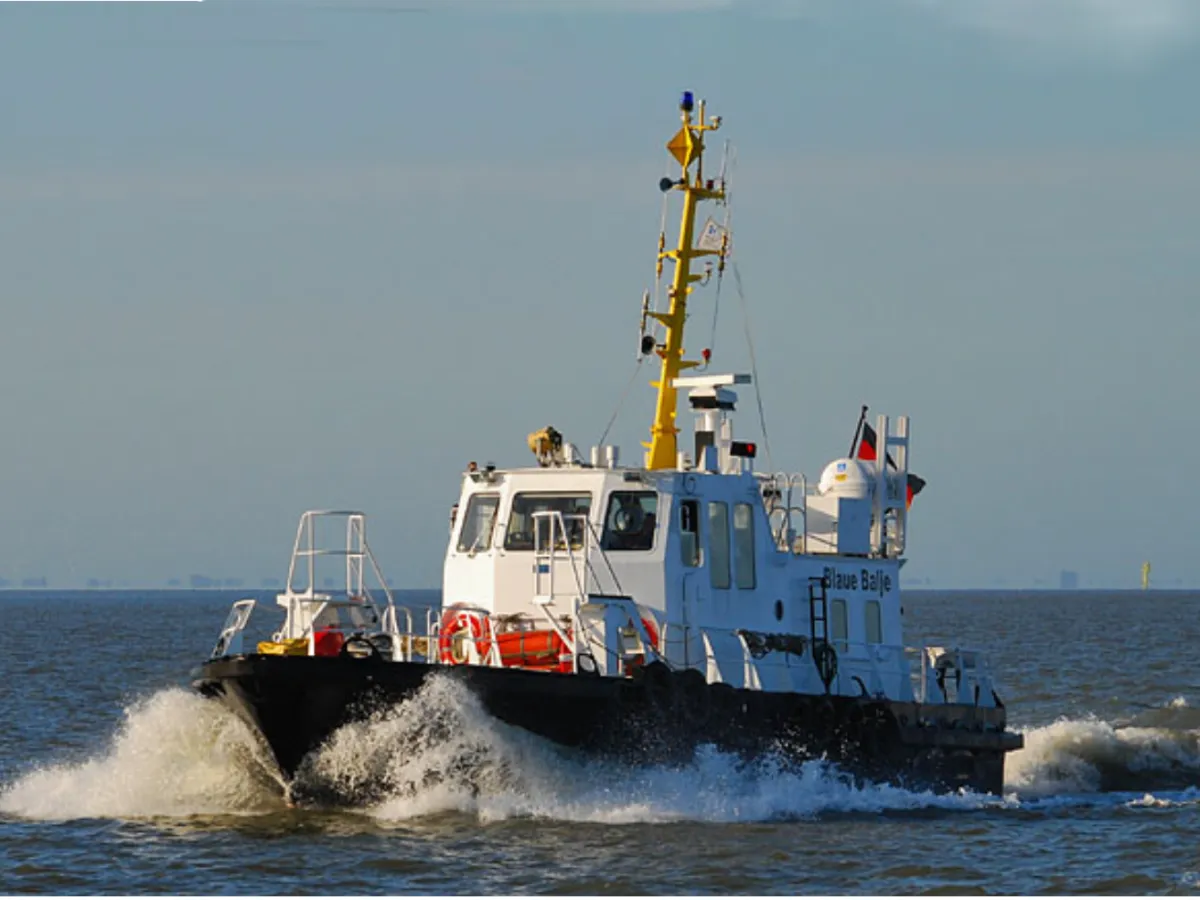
652, 633
451, 641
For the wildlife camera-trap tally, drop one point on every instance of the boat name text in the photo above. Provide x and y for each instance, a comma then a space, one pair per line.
876, 582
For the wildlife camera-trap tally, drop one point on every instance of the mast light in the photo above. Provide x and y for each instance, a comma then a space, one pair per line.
687, 102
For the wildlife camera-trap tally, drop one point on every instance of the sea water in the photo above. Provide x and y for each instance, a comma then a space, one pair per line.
115, 777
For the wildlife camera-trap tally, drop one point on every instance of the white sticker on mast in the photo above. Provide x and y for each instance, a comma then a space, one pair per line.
710, 237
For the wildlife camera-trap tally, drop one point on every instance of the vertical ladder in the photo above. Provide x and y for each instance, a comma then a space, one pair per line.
818, 609
823, 654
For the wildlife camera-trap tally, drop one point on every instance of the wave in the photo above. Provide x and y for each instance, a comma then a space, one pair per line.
1177, 715
1189, 797
440, 751
1157, 750
175, 754
179, 755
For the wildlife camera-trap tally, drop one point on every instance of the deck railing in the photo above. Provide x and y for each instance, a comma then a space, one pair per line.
933, 674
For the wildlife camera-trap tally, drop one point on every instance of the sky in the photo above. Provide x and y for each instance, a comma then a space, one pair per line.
263, 256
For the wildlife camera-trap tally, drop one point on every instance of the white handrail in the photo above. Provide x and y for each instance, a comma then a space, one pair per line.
782, 486
557, 526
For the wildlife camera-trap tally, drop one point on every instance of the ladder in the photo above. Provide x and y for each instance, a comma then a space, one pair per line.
818, 609
823, 654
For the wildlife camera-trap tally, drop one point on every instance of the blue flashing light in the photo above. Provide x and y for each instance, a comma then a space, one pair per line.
687, 102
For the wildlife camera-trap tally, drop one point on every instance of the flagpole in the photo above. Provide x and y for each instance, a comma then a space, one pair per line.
862, 417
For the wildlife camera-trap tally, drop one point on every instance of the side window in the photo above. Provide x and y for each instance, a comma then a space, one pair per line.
743, 544
874, 622
629, 523
837, 622
522, 523
689, 532
718, 543
476, 533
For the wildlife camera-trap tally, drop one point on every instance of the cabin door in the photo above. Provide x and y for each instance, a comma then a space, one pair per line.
691, 641
686, 645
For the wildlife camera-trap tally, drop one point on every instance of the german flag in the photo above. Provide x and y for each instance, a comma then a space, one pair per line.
915, 483
866, 445
868, 451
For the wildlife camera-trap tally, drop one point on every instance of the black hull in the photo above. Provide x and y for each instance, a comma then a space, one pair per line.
297, 702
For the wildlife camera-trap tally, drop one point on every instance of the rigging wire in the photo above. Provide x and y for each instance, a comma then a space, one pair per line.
654, 324
762, 418
621, 400
712, 340
725, 164
658, 264
731, 159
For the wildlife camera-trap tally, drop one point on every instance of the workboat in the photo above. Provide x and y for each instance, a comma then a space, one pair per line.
643, 611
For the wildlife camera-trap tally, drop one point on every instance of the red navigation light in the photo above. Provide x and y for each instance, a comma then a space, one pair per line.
706, 354
748, 449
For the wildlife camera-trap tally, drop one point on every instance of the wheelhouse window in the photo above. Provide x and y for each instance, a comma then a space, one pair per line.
629, 523
743, 544
479, 523
523, 526
718, 544
874, 622
689, 532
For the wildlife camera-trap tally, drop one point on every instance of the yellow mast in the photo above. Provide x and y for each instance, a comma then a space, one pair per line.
687, 146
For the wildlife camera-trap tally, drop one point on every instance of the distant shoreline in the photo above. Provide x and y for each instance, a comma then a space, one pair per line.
50, 589
917, 589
